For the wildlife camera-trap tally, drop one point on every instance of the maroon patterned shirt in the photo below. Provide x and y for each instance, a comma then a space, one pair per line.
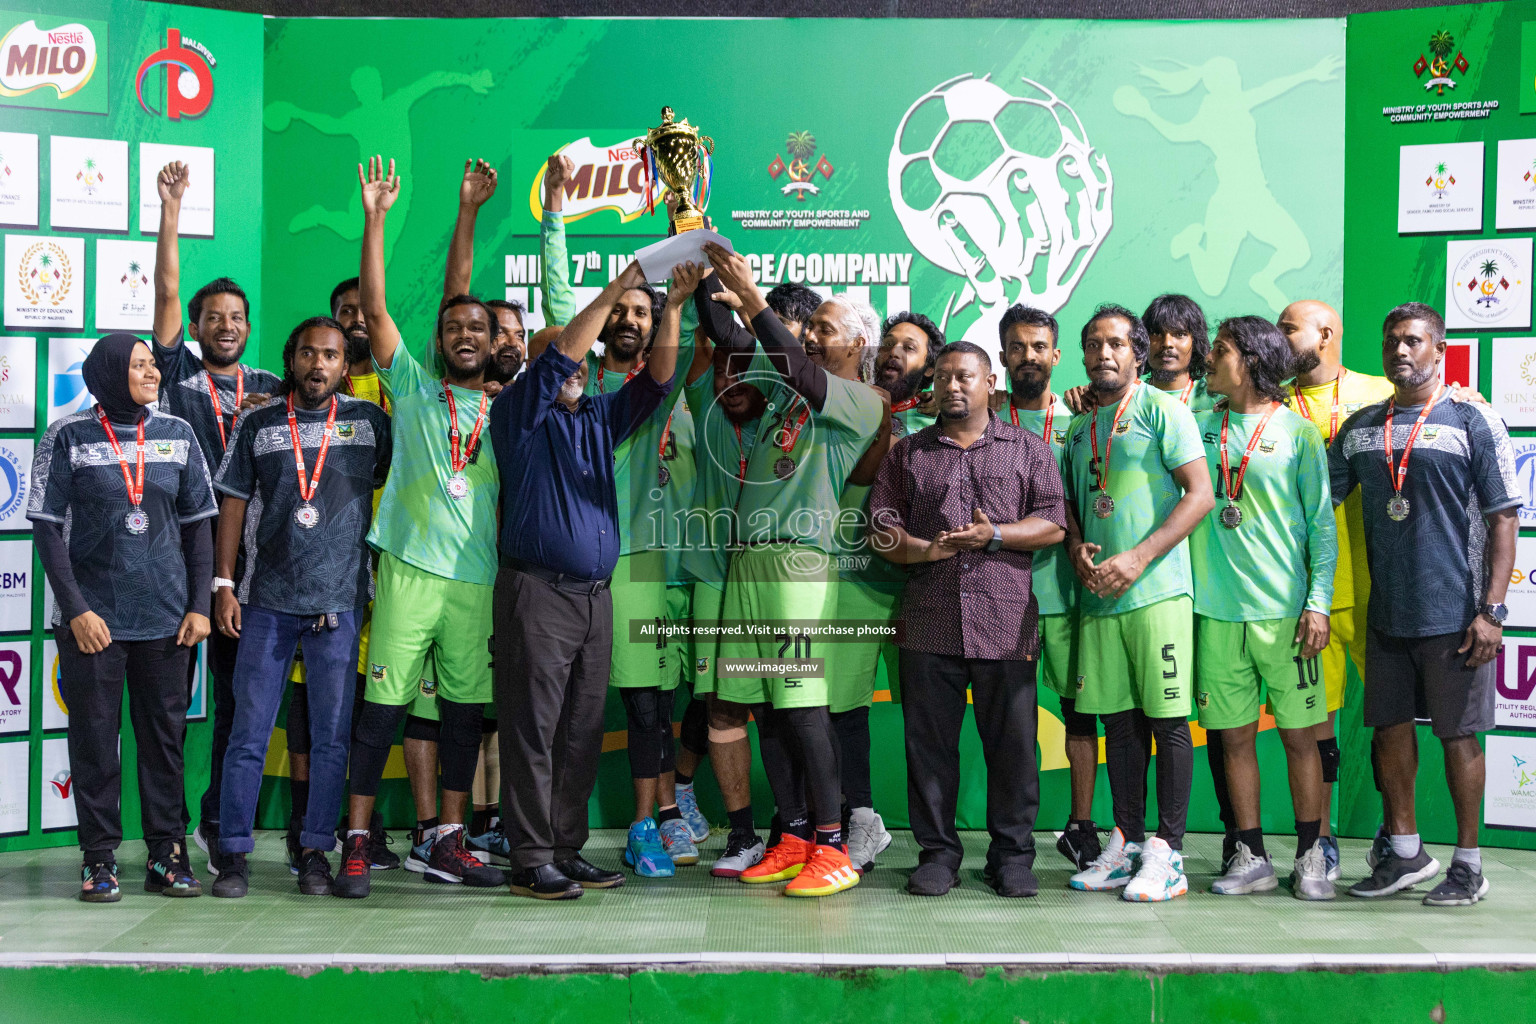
976, 604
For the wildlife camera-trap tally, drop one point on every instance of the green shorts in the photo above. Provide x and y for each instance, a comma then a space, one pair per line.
1237, 661
852, 665
1138, 659
424, 705
680, 613
640, 593
417, 614
767, 585
707, 599
1058, 654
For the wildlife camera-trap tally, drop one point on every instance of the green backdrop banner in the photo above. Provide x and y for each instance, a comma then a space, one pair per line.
109, 93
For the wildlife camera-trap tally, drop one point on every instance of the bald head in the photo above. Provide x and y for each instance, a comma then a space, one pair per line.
1316, 337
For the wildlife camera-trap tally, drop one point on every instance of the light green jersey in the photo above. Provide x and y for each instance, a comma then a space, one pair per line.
679, 495
417, 521
794, 484
1280, 559
707, 530
555, 283
909, 421
1156, 435
1055, 584
1200, 400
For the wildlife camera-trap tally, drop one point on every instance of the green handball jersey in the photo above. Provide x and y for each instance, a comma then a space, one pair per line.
1155, 436
794, 483
707, 530
418, 522
1280, 559
1055, 584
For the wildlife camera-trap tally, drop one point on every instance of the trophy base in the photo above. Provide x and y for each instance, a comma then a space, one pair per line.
689, 223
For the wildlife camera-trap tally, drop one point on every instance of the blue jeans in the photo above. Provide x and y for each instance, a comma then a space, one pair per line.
267, 642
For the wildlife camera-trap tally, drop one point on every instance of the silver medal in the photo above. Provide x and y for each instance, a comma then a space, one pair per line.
1231, 516
307, 516
663, 475
458, 487
1397, 508
136, 521
784, 467
1104, 506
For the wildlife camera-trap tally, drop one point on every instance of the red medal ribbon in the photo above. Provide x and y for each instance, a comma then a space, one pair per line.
454, 459
1102, 473
218, 408
627, 377
741, 453
307, 490
907, 403
666, 435
1234, 488
1333, 418
788, 436
1401, 472
1188, 390
135, 486
1050, 415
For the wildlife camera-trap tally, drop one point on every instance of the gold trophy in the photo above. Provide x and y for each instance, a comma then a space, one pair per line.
678, 154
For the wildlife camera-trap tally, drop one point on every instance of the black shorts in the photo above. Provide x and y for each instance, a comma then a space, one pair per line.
1424, 677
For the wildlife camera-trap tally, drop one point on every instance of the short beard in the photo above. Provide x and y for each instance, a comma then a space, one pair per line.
1415, 378
357, 345
1027, 388
963, 414
570, 391
1162, 377
502, 371
904, 388
1306, 363
209, 356
614, 345
1103, 387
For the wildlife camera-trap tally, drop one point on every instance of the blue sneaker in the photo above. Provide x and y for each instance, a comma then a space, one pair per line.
678, 842
1331, 857
643, 851
491, 846
688, 803
421, 850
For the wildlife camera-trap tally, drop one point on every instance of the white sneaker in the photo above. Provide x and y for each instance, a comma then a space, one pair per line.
1161, 875
1111, 869
1309, 879
1247, 872
867, 838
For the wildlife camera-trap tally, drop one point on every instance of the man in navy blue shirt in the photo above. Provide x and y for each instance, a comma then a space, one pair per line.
1440, 498
553, 612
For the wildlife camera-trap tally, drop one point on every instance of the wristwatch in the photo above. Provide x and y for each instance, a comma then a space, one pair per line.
1497, 612
219, 581
996, 543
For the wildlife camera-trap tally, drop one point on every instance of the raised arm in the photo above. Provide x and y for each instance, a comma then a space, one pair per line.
478, 185
868, 466
171, 183
577, 338
782, 348
662, 362
555, 282
380, 191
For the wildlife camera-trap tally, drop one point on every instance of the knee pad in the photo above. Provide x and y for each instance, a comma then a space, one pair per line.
376, 724
424, 729
695, 729
1077, 723
1328, 750
459, 750
642, 712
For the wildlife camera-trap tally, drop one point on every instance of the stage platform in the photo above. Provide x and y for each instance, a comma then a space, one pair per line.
702, 938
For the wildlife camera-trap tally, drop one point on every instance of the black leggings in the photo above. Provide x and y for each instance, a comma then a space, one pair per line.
852, 728
1128, 739
695, 729
799, 748
458, 749
649, 711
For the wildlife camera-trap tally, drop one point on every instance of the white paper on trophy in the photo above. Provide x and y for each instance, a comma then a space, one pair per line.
88, 183
18, 179
658, 259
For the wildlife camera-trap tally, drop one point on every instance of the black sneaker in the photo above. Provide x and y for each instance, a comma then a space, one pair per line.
1394, 874
234, 879
352, 881
1463, 886
1014, 881
453, 864
98, 883
170, 873
588, 875
545, 882
314, 874
932, 880
295, 847
1079, 843
380, 857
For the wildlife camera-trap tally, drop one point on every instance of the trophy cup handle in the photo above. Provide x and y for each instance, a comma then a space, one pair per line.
708, 144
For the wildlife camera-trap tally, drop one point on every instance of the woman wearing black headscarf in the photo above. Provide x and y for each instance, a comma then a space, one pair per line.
121, 498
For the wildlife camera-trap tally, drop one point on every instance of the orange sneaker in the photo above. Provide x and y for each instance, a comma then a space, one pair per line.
830, 871
783, 860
